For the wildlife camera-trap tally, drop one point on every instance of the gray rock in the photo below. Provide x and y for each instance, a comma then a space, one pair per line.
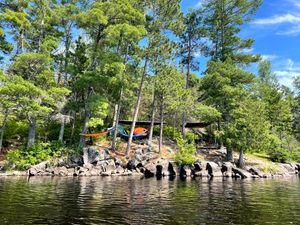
32, 172
119, 170
62, 171
105, 174
162, 168
226, 169
255, 172
298, 167
70, 172
185, 171
75, 160
91, 155
95, 171
149, 156
213, 169
82, 171
288, 167
242, 173
150, 170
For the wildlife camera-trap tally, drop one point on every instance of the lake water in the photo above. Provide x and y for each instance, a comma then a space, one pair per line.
122, 200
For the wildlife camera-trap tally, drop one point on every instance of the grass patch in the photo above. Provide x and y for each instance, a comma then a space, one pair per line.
262, 162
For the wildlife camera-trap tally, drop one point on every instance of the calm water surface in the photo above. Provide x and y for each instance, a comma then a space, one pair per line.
117, 200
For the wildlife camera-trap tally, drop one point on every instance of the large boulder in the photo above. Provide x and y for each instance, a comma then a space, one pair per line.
255, 172
91, 155
288, 168
165, 168
185, 171
213, 169
241, 173
226, 169
38, 169
297, 167
150, 170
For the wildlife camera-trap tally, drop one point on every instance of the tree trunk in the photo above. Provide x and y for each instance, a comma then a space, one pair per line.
229, 156
84, 127
152, 119
3, 128
161, 125
183, 126
116, 123
118, 108
137, 107
31, 133
73, 127
241, 163
187, 86
62, 129
115, 115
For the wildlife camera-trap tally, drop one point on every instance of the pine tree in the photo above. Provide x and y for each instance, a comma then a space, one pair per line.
223, 20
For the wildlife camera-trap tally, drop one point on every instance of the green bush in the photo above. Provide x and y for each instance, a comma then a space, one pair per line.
23, 158
279, 155
190, 136
169, 132
186, 152
295, 155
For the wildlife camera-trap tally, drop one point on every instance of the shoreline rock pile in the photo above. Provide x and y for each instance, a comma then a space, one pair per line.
145, 163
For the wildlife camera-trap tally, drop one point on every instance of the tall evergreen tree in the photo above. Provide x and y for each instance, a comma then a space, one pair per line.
223, 20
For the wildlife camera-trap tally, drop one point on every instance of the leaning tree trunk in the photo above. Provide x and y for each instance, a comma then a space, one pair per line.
137, 107
161, 125
31, 133
241, 162
152, 119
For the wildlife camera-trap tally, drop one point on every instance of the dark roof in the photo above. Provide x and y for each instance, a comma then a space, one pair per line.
196, 125
148, 123
139, 123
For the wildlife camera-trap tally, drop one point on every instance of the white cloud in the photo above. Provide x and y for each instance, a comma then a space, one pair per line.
197, 54
290, 63
199, 4
292, 31
269, 57
286, 77
248, 50
278, 19
295, 3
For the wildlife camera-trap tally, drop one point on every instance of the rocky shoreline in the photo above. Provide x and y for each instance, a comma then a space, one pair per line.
145, 163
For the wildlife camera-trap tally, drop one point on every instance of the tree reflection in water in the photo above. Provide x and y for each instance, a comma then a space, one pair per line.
130, 200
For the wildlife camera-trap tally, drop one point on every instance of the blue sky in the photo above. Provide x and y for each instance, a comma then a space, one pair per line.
276, 29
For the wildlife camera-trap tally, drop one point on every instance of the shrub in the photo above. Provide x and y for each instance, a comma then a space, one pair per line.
279, 155
186, 152
169, 132
23, 158
295, 155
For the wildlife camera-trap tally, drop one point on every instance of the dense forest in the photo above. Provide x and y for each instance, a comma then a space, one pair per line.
71, 67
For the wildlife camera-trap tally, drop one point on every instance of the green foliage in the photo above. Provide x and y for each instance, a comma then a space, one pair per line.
279, 155
22, 159
223, 21
170, 132
206, 113
295, 155
186, 152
